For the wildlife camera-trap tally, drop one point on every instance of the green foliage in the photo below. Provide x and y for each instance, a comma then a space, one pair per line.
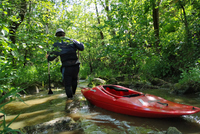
5, 128
5, 74
84, 72
117, 53
190, 76
37, 75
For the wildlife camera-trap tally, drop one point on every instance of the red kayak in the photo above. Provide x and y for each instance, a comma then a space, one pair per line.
130, 102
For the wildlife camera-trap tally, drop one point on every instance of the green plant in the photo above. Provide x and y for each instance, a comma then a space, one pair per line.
84, 71
193, 75
6, 127
12, 92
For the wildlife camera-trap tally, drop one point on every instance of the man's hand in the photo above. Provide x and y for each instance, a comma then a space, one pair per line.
47, 56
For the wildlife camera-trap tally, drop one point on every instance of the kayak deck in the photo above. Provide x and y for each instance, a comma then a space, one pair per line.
120, 92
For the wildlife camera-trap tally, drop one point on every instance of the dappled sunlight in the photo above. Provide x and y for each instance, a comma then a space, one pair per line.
19, 124
79, 115
17, 107
34, 118
75, 116
26, 115
42, 118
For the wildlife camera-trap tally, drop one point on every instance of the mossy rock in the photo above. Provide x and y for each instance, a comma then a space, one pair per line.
53, 126
96, 81
173, 130
31, 89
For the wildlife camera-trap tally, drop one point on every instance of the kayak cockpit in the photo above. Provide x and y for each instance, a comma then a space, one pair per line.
122, 92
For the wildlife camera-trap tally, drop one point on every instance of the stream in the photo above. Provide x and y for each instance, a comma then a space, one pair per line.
41, 107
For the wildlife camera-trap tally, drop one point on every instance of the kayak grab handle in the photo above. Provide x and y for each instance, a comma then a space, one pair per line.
165, 104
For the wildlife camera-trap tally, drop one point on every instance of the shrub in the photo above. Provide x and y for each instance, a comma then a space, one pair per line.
193, 75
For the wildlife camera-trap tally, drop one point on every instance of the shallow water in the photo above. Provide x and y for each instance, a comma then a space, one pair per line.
41, 107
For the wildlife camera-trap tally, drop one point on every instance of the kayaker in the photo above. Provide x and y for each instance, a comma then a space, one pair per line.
66, 48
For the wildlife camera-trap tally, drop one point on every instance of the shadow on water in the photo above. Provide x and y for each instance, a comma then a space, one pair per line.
40, 108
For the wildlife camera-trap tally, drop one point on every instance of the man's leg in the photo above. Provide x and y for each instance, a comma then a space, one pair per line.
75, 78
66, 71
74, 85
68, 89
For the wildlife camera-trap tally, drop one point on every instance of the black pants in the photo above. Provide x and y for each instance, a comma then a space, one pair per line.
70, 78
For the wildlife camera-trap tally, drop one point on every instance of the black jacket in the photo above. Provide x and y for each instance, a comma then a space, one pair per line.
66, 48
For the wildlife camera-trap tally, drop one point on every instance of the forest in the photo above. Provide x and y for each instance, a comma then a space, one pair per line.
147, 38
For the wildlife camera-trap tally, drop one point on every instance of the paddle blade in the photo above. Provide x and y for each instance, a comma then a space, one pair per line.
50, 92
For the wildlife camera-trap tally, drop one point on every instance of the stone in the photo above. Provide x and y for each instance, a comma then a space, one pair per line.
53, 126
173, 130
96, 81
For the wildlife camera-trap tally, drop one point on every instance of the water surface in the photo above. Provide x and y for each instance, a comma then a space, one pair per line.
41, 107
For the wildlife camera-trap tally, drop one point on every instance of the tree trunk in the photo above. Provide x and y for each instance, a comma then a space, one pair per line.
186, 24
156, 23
99, 22
14, 25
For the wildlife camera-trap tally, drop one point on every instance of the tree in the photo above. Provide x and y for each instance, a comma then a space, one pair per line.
99, 22
155, 7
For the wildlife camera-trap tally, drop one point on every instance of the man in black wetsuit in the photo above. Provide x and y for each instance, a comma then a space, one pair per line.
66, 48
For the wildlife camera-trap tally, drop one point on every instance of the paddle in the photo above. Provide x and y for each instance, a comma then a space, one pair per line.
78, 73
47, 32
50, 91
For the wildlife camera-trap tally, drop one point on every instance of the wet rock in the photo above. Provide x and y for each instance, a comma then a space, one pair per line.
96, 81
30, 89
173, 130
53, 126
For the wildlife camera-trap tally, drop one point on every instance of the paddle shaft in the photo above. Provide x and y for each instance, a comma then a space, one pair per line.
50, 91
78, 73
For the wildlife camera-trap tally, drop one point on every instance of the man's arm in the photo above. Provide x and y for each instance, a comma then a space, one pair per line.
78, 45
52, 55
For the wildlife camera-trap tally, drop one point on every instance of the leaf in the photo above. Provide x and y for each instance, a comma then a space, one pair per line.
2, 105
6, 29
